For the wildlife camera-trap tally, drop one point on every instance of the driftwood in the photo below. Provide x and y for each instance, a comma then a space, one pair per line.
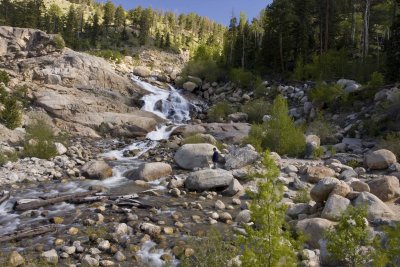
29, 233
23, 204
4, 196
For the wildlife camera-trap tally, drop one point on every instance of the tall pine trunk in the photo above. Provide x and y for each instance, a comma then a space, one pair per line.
327, 25
281, 51
353, 23
366, 15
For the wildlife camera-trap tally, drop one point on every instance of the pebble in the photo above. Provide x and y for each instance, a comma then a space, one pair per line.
219, 205
119, 256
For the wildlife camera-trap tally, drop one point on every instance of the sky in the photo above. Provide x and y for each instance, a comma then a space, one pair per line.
217, 10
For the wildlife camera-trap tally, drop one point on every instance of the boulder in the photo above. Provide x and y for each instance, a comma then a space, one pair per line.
15, 259
320, 192
141, 71
61, 149
238, 117
379, 159
377, 210
228, 132
234, 188
192, 156
297, 209
189, 86
208, 179
240, 157
314, 229
316, 173
334, 208
96, 170
360, 186
386, 187
341, 189
150, 171
50, 256
349, 86
243, 217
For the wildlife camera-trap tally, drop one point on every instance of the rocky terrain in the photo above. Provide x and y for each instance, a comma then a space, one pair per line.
113, 197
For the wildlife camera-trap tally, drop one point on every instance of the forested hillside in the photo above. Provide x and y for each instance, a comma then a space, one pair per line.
309, 39
88, 24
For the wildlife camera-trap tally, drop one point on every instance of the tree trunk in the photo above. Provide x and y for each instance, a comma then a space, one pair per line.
327, 25
281, 52
353, 23
29, 233
366, 29
243, 50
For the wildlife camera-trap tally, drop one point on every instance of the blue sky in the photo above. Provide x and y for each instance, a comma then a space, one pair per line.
218, 10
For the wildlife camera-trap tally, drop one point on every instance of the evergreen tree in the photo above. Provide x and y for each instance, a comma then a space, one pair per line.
71, 27
109, 13
95, 29
168, 40
135, 15
119, 17
393, 54
268, 243
145, 24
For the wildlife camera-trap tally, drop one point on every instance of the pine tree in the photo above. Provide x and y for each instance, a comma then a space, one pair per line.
145, 24
71, 27
95, 29
393, 55
119, 17
109, 13
268, 243
168, 40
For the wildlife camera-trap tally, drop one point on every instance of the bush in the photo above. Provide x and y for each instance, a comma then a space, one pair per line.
268, 242
350, 242
256, 110
391, 142
302, 196
325, 94
281, 135
59, 42
220, 111
207, 70
6, 156
377, 81
39, 140
108, 54
322, 128
10, 116
256, 136
244, 79
392, 247
213, 250
4, 77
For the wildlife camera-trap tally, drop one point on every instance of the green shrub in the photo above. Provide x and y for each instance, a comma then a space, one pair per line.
377, 81
350, 242
212, 250
220, 111
256, 110
245, 79
108, 54
6, 156
302, 196
392, 248
11, 115
59, 42
268, 242
318, 153
39, 140
256, 136
325, 94
4, 77
322, 128
21, 95
282, 136
391, 142
207, 70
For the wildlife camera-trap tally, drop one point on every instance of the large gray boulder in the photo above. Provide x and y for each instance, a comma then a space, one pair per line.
191, 156
386, 187
240, 157
334, 208
208, 179
141, 71
320, 192
377, 209
313, 229
316, 173
150, 171
189, 86
98, 170
349, 86
379, 159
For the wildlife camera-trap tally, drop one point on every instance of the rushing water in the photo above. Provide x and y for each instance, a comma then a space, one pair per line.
167, 104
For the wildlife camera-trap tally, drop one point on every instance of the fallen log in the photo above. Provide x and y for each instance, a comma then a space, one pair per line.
83, 200
23, 204
29, 233
4, 196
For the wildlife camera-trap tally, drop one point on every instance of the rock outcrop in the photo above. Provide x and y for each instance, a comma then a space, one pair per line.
208, 179
191, 156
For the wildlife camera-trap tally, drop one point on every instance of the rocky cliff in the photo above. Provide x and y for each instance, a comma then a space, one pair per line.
82, 92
